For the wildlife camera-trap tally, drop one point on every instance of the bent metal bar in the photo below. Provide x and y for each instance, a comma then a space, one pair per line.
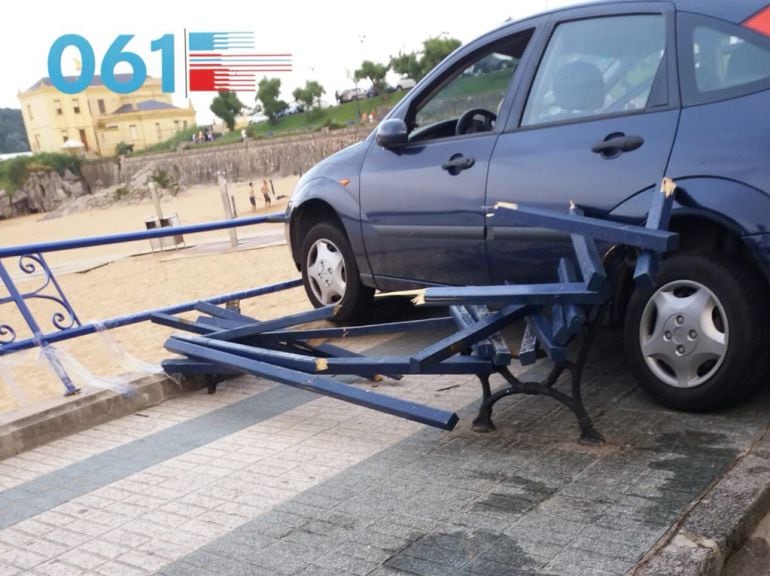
65, 323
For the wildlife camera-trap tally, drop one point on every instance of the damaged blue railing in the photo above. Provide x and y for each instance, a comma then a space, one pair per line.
65, 324
560, 318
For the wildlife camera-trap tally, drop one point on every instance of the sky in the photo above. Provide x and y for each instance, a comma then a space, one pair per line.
327, 40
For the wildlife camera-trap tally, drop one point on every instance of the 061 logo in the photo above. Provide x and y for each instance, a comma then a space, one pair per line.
213, 61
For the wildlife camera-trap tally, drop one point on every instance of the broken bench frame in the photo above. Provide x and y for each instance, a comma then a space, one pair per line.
561, 320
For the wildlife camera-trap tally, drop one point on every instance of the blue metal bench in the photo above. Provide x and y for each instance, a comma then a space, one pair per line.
561, 321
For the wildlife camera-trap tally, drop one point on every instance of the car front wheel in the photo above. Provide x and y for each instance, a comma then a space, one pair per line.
330, 274
697, 341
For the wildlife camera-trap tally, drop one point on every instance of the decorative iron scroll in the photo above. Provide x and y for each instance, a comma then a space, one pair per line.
62, 319
7, 333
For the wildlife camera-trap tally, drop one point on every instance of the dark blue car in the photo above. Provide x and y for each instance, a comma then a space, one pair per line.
593, 104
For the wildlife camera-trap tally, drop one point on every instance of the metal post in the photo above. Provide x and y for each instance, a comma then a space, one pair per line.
48, 352
227, 206
156, 202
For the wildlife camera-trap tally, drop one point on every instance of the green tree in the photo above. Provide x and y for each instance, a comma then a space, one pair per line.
309, 95
227, 106
434, 50
407, 65
121, 148
375, 72
13, 137
301, 95
314, 89
268, 93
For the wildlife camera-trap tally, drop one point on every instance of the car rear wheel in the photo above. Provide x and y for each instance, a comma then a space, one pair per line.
697, 341
330, 274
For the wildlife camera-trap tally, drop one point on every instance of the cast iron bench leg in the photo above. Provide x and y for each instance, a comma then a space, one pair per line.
573, 401
483, 422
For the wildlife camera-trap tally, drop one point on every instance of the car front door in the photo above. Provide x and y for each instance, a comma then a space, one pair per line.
422, 202
596, 127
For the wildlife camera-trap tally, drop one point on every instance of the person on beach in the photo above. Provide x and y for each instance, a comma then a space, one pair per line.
265, 192
252, 197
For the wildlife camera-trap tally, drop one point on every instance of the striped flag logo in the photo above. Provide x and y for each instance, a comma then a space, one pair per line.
227, 61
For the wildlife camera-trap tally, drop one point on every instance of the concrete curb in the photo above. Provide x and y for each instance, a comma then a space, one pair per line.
47, 421
720, 522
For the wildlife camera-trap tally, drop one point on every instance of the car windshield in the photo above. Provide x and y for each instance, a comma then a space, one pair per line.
481, 83
484, 82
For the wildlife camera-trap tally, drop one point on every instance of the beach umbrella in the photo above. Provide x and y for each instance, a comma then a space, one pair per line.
73, 146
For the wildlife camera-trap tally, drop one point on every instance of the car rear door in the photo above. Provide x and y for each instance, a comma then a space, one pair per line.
596, 126
422, 203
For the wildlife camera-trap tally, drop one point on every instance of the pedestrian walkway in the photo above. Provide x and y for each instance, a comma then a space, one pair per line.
264, 479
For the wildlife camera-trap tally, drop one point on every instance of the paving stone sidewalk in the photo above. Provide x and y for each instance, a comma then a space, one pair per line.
264, 479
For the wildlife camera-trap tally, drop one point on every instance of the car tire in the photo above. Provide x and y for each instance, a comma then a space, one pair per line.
330, 274
698, 340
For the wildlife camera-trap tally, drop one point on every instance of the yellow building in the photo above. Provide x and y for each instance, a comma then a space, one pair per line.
99, 119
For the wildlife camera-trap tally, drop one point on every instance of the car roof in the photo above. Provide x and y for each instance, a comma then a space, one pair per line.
735, 11
731, 10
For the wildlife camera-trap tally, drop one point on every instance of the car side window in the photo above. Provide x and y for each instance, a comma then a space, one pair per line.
597, 67
720, 60
480, 83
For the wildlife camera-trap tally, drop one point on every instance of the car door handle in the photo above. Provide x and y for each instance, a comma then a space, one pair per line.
458, 163
616, 144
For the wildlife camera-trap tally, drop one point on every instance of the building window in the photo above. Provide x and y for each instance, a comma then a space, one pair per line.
64, 136
102, 109
176, 125
84, 139
76, 105
184, 125
29, 112
158, 131
134, 132
57, 105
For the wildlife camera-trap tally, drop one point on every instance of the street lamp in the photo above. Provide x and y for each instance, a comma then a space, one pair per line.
361, 39
355, 97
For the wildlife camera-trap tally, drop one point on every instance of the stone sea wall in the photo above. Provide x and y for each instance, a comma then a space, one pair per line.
273, 157
103, 181
44, 190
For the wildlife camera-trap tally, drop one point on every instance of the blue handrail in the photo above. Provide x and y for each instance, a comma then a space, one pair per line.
66, 323
75, 243
118, 321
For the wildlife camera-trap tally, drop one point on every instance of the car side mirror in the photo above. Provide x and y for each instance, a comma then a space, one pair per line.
392, 133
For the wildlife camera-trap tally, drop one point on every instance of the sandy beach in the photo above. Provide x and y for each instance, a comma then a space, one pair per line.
107, 281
